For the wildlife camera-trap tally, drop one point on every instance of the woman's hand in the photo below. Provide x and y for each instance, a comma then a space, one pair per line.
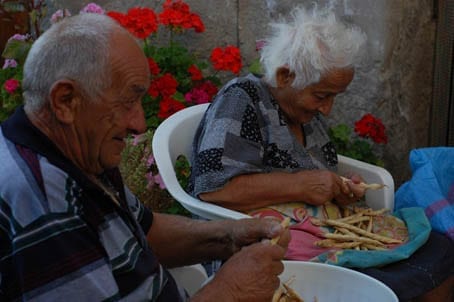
356, 190
321, 186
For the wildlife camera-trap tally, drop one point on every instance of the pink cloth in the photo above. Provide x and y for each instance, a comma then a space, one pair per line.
302, 246
304, 234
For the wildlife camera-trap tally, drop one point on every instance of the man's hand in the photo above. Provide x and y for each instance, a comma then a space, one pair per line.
249, 275
244, 232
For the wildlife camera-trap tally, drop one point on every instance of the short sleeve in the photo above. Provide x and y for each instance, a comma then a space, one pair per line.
229, 140
140, 212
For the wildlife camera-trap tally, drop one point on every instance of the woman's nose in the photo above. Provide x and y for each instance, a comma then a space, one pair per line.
325, 109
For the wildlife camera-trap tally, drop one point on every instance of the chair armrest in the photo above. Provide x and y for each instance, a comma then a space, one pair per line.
376, 199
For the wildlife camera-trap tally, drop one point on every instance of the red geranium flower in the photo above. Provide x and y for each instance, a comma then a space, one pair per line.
195, 72
177, 15
197, 23
140, 21
166, 86
227, 59
169, 106
369, 126
117, 16
154, 68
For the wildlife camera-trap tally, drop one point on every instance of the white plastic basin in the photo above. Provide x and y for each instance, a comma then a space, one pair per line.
328, 283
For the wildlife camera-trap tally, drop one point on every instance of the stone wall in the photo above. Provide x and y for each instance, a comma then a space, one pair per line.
394, 83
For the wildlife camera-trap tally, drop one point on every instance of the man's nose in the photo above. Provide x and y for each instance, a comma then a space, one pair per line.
136, 120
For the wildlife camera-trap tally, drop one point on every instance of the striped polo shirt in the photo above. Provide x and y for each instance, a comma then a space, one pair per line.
62, 238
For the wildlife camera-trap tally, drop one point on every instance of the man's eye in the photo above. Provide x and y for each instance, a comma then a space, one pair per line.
130, 103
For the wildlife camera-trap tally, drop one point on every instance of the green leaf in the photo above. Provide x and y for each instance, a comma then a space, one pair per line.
340, 132
256, 67
182, 170
179, 97
17, 50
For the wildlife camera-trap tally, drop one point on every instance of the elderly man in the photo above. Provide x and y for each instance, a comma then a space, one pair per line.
69, 229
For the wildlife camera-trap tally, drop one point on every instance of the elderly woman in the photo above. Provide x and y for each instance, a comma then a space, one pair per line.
264, 141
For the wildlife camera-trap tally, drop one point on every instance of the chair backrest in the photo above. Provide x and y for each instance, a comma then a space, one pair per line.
174, 137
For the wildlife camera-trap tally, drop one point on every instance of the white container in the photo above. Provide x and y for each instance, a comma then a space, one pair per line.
329, 283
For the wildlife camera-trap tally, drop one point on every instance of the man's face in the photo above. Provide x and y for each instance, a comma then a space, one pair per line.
103, 125
301, 105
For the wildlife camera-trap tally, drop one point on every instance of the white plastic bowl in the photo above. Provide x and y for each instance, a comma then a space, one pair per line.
329, 283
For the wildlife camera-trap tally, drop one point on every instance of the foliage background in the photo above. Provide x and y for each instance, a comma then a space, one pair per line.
395, 83
179, 78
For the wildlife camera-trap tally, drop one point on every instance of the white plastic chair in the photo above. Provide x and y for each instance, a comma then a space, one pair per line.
174, 137
191, 277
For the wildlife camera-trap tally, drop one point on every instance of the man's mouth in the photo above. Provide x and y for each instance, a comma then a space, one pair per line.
120, 139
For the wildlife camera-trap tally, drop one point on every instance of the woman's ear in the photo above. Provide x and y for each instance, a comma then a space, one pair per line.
284, 77
64, 100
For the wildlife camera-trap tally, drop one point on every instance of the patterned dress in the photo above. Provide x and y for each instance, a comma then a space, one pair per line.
244, 131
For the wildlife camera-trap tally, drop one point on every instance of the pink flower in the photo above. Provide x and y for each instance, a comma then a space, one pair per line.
197, 96
259, 44
10, 63
19, 37
159, 181
150, 160
93, 8
138, 139
11, 85
154, 179
59, 15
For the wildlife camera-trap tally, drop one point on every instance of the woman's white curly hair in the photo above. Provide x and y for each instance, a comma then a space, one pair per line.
311, 44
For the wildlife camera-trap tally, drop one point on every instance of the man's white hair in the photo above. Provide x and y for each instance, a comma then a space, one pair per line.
76, 48
311, 44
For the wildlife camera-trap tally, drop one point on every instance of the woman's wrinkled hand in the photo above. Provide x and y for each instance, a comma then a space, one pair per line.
355, 190
321, 186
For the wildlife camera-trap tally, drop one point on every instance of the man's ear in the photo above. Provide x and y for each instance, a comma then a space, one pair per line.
64, 100
284, 77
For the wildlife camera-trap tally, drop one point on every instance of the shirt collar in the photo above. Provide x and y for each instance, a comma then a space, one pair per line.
19, 129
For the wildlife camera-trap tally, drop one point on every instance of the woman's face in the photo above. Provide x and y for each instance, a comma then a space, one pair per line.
301, 105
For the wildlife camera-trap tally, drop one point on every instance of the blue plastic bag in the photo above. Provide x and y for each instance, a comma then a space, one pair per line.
431, 187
